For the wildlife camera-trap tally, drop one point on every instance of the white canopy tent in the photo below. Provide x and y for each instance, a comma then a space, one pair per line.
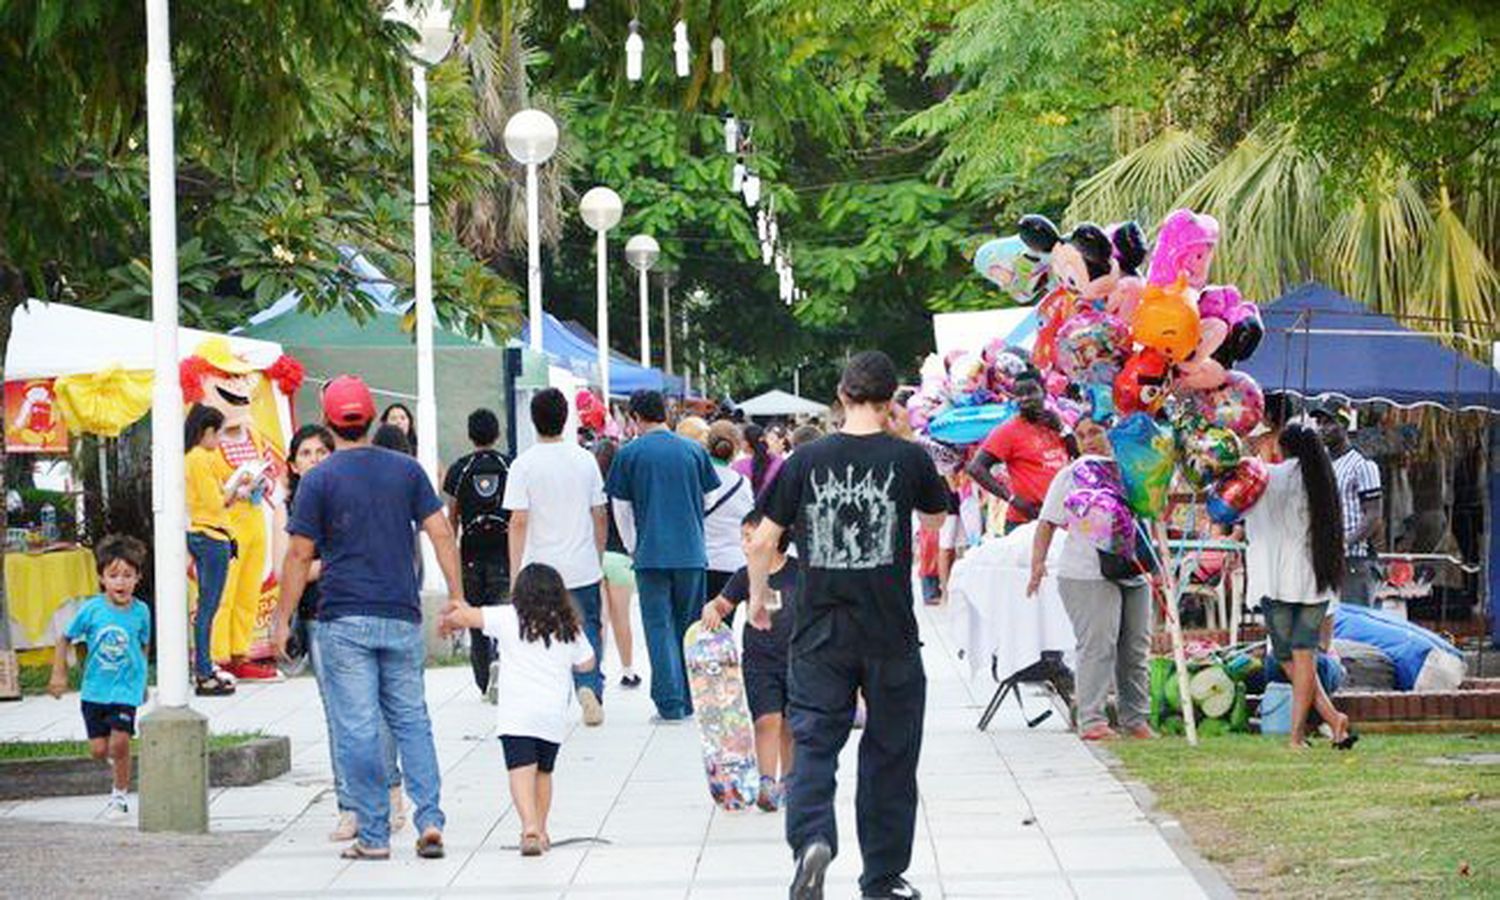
780, 403
970, 331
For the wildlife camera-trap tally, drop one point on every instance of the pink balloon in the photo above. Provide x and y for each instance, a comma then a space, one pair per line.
1238, 404
1201, 372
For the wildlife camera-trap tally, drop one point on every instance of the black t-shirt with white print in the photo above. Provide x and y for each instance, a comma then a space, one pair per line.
849, 500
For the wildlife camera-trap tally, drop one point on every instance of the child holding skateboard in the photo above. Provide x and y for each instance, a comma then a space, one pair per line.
765, 664
114, 628
541, 644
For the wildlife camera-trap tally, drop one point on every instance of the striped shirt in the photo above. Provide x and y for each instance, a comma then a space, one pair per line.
1358, 480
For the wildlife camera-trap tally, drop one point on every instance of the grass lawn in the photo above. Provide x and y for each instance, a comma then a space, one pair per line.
1376, 821
62, 749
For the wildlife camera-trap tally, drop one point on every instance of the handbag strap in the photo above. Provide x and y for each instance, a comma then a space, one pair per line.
724, 498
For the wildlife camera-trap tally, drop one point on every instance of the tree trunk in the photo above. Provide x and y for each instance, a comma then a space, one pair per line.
10, 673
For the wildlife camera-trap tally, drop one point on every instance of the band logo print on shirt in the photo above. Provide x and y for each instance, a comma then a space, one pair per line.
852, 522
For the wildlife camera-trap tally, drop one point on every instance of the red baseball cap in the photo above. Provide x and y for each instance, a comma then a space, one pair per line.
347, 401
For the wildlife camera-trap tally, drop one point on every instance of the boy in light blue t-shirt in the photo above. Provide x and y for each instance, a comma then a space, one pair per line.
112, 631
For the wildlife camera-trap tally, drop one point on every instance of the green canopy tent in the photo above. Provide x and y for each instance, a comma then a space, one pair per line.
378, 349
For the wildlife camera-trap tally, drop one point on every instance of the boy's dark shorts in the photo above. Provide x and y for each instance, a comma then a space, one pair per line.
765, 689
523, 751
99, 719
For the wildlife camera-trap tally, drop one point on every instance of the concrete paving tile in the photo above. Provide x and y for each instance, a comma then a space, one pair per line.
1080, 854
1168, 886
649, 867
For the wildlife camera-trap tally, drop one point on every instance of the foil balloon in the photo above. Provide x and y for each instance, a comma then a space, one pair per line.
1242, 488
968, 380
1084, 263
1102, 517
1091, 346
1245, 328
1184, 249
1145, 452
1238, 404
1017, 269
1099, 400
965, 425
1167, 320
1056, 309
1143, 383
1006, 364
949, 460
1097, 473
1202, 371
1067, 409
1207, 454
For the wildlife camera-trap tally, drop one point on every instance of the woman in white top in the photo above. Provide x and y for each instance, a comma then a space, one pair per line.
541, 645
1295, 566
724, 508
1111, 619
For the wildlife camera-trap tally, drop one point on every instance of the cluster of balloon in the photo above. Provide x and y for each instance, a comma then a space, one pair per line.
963, 396
1135, 334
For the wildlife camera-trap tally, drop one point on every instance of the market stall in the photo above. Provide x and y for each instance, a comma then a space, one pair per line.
76, 371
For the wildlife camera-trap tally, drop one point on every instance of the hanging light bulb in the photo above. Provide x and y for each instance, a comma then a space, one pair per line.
731, 133
635, 51
681, 49
716, 54
772, 230
576, 5
752, 189
762, 229
737, 176
766, 249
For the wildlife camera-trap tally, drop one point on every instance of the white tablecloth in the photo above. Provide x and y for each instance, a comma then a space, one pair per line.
992, 614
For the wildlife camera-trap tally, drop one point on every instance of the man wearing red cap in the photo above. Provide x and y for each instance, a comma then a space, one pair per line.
356, 512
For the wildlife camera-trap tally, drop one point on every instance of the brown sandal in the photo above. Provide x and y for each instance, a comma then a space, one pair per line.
357, 850
531, 845
430, 844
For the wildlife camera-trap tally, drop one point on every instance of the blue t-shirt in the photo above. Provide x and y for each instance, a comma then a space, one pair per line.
361, 508
116, 637
664, 478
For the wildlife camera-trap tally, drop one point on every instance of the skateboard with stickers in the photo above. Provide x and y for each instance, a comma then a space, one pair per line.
727, 732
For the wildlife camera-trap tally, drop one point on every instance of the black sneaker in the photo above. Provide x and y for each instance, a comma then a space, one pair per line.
899, 889
812, 863
630, 681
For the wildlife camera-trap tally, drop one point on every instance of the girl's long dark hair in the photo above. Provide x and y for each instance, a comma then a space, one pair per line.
544, 606
303, 435
1326, 537
393, 438
604, 454
199, 419
760, 455
411, 429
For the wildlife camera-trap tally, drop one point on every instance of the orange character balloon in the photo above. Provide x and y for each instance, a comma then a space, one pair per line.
1167, 320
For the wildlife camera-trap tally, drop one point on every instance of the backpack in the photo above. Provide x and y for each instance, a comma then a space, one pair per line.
481, 494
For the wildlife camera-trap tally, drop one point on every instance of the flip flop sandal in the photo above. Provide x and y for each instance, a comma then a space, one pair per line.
360, 851
213, 686
1350, 739
430, 846
531, 845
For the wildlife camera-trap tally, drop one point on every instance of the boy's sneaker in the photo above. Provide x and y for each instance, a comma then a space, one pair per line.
812, 863
119, 803
768, 798
899, 889
593, 710
629, 679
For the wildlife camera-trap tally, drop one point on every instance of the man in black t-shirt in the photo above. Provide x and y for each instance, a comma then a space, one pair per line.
849, 498
475, 487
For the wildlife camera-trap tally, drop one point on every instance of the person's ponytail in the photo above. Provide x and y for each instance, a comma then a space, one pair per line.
1326, 535
760, 453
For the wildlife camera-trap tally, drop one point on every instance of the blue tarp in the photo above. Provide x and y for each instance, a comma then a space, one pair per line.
1320, 342
676, 386
581, 356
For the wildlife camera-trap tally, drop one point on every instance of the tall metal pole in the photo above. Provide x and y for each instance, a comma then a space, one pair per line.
603, 314
427, 428
645, 321
533, 258
168, 491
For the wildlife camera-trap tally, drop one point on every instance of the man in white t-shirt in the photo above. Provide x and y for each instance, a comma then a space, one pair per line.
555, 495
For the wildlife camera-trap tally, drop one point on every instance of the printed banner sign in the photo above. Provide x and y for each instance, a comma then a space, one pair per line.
33, 422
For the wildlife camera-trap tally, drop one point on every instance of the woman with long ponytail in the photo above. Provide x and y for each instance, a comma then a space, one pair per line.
762, 464
1295, 564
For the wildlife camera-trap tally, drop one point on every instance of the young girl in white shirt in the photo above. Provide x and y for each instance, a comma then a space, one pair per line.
541, 645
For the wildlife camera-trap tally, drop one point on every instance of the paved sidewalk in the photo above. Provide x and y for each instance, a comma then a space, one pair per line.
1008, 813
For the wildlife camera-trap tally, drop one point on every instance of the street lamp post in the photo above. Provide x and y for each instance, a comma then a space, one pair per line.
668, 280
531, 139
642, 252
601, 210
433, 24
174, 738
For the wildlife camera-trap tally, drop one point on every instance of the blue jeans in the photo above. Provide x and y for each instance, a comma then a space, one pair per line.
211, 558
374, 672
588, 601
671, 600
387, 743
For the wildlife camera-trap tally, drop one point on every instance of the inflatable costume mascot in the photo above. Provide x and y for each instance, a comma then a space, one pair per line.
251, 438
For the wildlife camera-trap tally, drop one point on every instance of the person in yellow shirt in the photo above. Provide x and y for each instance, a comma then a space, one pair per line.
208, 538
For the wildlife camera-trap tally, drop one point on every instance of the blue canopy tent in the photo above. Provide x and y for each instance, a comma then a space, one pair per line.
1320, 342
581, 356
675, 385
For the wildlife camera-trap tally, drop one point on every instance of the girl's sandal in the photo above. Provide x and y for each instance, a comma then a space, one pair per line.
357, 850
213, 686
